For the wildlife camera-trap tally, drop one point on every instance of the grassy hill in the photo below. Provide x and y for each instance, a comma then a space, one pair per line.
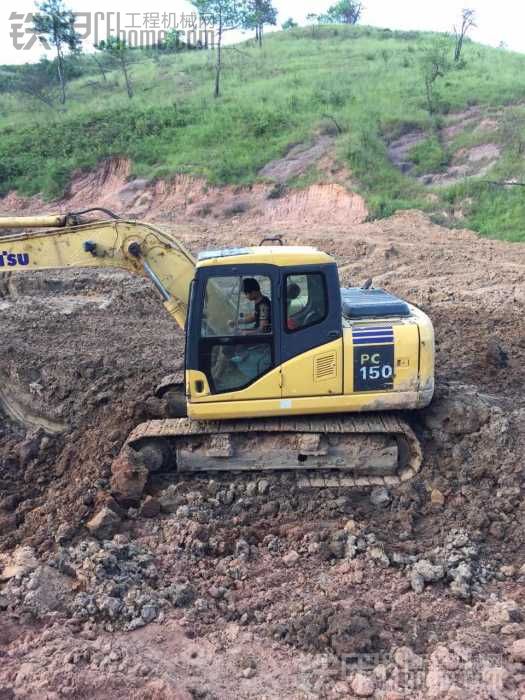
370, 81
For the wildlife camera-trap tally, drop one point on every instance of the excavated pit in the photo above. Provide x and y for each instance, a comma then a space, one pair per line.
246, 585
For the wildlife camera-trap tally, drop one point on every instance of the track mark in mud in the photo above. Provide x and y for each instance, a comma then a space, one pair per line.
14, 408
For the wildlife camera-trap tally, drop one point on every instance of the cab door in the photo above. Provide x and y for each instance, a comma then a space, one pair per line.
228, 359
311, 334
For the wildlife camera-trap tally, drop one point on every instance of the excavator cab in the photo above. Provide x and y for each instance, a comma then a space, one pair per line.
229, 354
234, 352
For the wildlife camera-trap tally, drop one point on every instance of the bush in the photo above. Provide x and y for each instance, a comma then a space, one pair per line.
429, 157
236, 208
53, 150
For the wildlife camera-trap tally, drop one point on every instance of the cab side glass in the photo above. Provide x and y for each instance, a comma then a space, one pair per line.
306, 302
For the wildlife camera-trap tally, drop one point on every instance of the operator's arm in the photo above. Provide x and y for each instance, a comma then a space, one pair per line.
250, 318
134, 246
242, 321
264, 324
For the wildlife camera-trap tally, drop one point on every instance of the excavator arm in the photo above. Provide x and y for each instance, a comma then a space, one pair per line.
134, 246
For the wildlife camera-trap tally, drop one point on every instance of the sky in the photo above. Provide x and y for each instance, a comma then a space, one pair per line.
496, 22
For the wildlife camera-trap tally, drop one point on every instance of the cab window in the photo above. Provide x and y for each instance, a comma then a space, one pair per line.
237, 306
306, 302
236, 345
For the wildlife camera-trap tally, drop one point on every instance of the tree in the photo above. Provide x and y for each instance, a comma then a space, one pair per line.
172, 41
313, 19
345, 12
259, 13
120, 52
289, 24
468, 21
434, 65
101, 67
225, 15
55, 25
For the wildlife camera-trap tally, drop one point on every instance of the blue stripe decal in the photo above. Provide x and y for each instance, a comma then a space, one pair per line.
380, 338
372, 335
372, 341
366, 335
368, 329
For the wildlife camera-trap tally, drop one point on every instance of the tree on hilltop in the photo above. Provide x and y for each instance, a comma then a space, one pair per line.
120, 52
345, 12
259, 13
468, 21
54, 25
289, 24
223, 16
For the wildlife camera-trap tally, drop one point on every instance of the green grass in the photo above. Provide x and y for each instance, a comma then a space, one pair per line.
492, 211
369, 80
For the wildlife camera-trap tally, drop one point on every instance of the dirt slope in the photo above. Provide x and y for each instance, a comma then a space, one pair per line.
251, 588
185, 199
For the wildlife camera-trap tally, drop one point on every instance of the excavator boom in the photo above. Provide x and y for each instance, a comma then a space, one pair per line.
136, 247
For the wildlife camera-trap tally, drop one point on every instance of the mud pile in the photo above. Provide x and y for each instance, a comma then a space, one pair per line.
250, 586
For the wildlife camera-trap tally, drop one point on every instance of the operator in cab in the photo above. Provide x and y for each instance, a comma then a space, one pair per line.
262, 310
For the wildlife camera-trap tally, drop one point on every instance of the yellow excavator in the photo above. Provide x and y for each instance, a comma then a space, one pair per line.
284, 370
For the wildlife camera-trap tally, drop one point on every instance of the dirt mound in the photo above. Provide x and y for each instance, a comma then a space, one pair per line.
344, 632
250, 586
100, 185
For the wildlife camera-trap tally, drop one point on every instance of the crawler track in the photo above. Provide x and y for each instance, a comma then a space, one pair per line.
212, 446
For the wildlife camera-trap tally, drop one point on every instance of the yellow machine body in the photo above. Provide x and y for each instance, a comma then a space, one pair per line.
294, 388
322, 379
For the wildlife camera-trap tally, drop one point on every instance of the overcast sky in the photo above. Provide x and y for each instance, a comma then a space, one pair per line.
497, 22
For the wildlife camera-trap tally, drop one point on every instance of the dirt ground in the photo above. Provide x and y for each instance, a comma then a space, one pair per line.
250, 588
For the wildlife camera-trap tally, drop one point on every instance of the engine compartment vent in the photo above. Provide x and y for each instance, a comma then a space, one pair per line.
325, 366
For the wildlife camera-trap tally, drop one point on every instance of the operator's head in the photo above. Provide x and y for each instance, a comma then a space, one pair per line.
293, 291
251, 288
